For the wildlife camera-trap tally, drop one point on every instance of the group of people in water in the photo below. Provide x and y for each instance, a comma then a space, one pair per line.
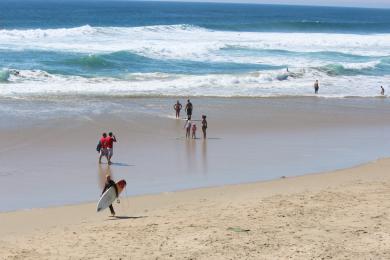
189, 126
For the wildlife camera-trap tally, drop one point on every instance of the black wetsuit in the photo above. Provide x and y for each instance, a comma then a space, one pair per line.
106, 187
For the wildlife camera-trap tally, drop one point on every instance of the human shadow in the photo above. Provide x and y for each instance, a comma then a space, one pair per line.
121, 164
126, 217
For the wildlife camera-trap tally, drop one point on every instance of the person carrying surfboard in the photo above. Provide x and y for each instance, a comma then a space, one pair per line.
109, 183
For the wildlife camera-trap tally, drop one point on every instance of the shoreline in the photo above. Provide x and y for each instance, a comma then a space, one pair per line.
344, 201
198, 189
261, 140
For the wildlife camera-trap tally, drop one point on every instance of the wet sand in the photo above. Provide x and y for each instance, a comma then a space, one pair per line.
53, 162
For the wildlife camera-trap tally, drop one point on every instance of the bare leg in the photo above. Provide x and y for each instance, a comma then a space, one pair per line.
112, 210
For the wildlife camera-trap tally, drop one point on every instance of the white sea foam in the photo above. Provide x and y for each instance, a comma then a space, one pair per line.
255, 84
191, 42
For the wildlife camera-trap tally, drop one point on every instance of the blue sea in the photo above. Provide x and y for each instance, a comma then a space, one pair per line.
106, 48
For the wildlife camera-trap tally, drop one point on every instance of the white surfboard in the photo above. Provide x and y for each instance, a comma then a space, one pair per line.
109, 196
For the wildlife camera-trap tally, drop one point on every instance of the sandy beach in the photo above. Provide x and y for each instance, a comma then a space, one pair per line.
336, 215
296, 160
53, 161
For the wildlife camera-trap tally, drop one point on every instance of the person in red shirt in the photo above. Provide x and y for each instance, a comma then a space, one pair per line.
110, 146
103, 148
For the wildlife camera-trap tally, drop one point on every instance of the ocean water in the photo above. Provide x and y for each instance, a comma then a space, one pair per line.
53, 49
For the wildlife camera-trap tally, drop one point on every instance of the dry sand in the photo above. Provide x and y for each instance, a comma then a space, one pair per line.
337, 215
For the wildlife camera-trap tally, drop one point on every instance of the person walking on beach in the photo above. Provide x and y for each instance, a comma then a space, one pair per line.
382, 91
204, 126
108, 184
111, 139
193, 131
188, 109
177, 108
316, 87
187, 127
103, 147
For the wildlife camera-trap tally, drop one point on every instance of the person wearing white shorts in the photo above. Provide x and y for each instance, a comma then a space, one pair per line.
110, 146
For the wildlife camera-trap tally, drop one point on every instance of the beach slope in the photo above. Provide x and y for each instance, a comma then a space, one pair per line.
340, 214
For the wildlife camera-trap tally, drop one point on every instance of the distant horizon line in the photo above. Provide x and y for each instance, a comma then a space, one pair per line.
246, 2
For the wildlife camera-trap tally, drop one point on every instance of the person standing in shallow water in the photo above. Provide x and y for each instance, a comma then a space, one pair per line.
177, 107
188, 109
316, 87
111, 139
187, 127
204, 126
382, 91
193, 131
103, 148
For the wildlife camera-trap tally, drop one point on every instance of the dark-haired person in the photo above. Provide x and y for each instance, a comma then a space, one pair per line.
111, 139
188, 109
204, 126
108, 184
177, 107
316, 87
103, 147
382, 91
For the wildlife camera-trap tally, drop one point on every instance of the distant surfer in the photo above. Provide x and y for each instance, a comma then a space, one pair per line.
382, 91
187, 127
103, 147
109, 183
316, 87
188, 109
111, 139
204, 126
177, 107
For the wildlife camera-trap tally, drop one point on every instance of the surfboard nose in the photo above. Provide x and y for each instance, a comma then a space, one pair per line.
122, 183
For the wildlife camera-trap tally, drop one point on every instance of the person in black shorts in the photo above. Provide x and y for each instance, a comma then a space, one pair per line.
204, 126
316, 87
189, 109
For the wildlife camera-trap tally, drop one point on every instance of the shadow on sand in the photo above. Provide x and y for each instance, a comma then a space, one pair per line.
126, 217
121, 164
